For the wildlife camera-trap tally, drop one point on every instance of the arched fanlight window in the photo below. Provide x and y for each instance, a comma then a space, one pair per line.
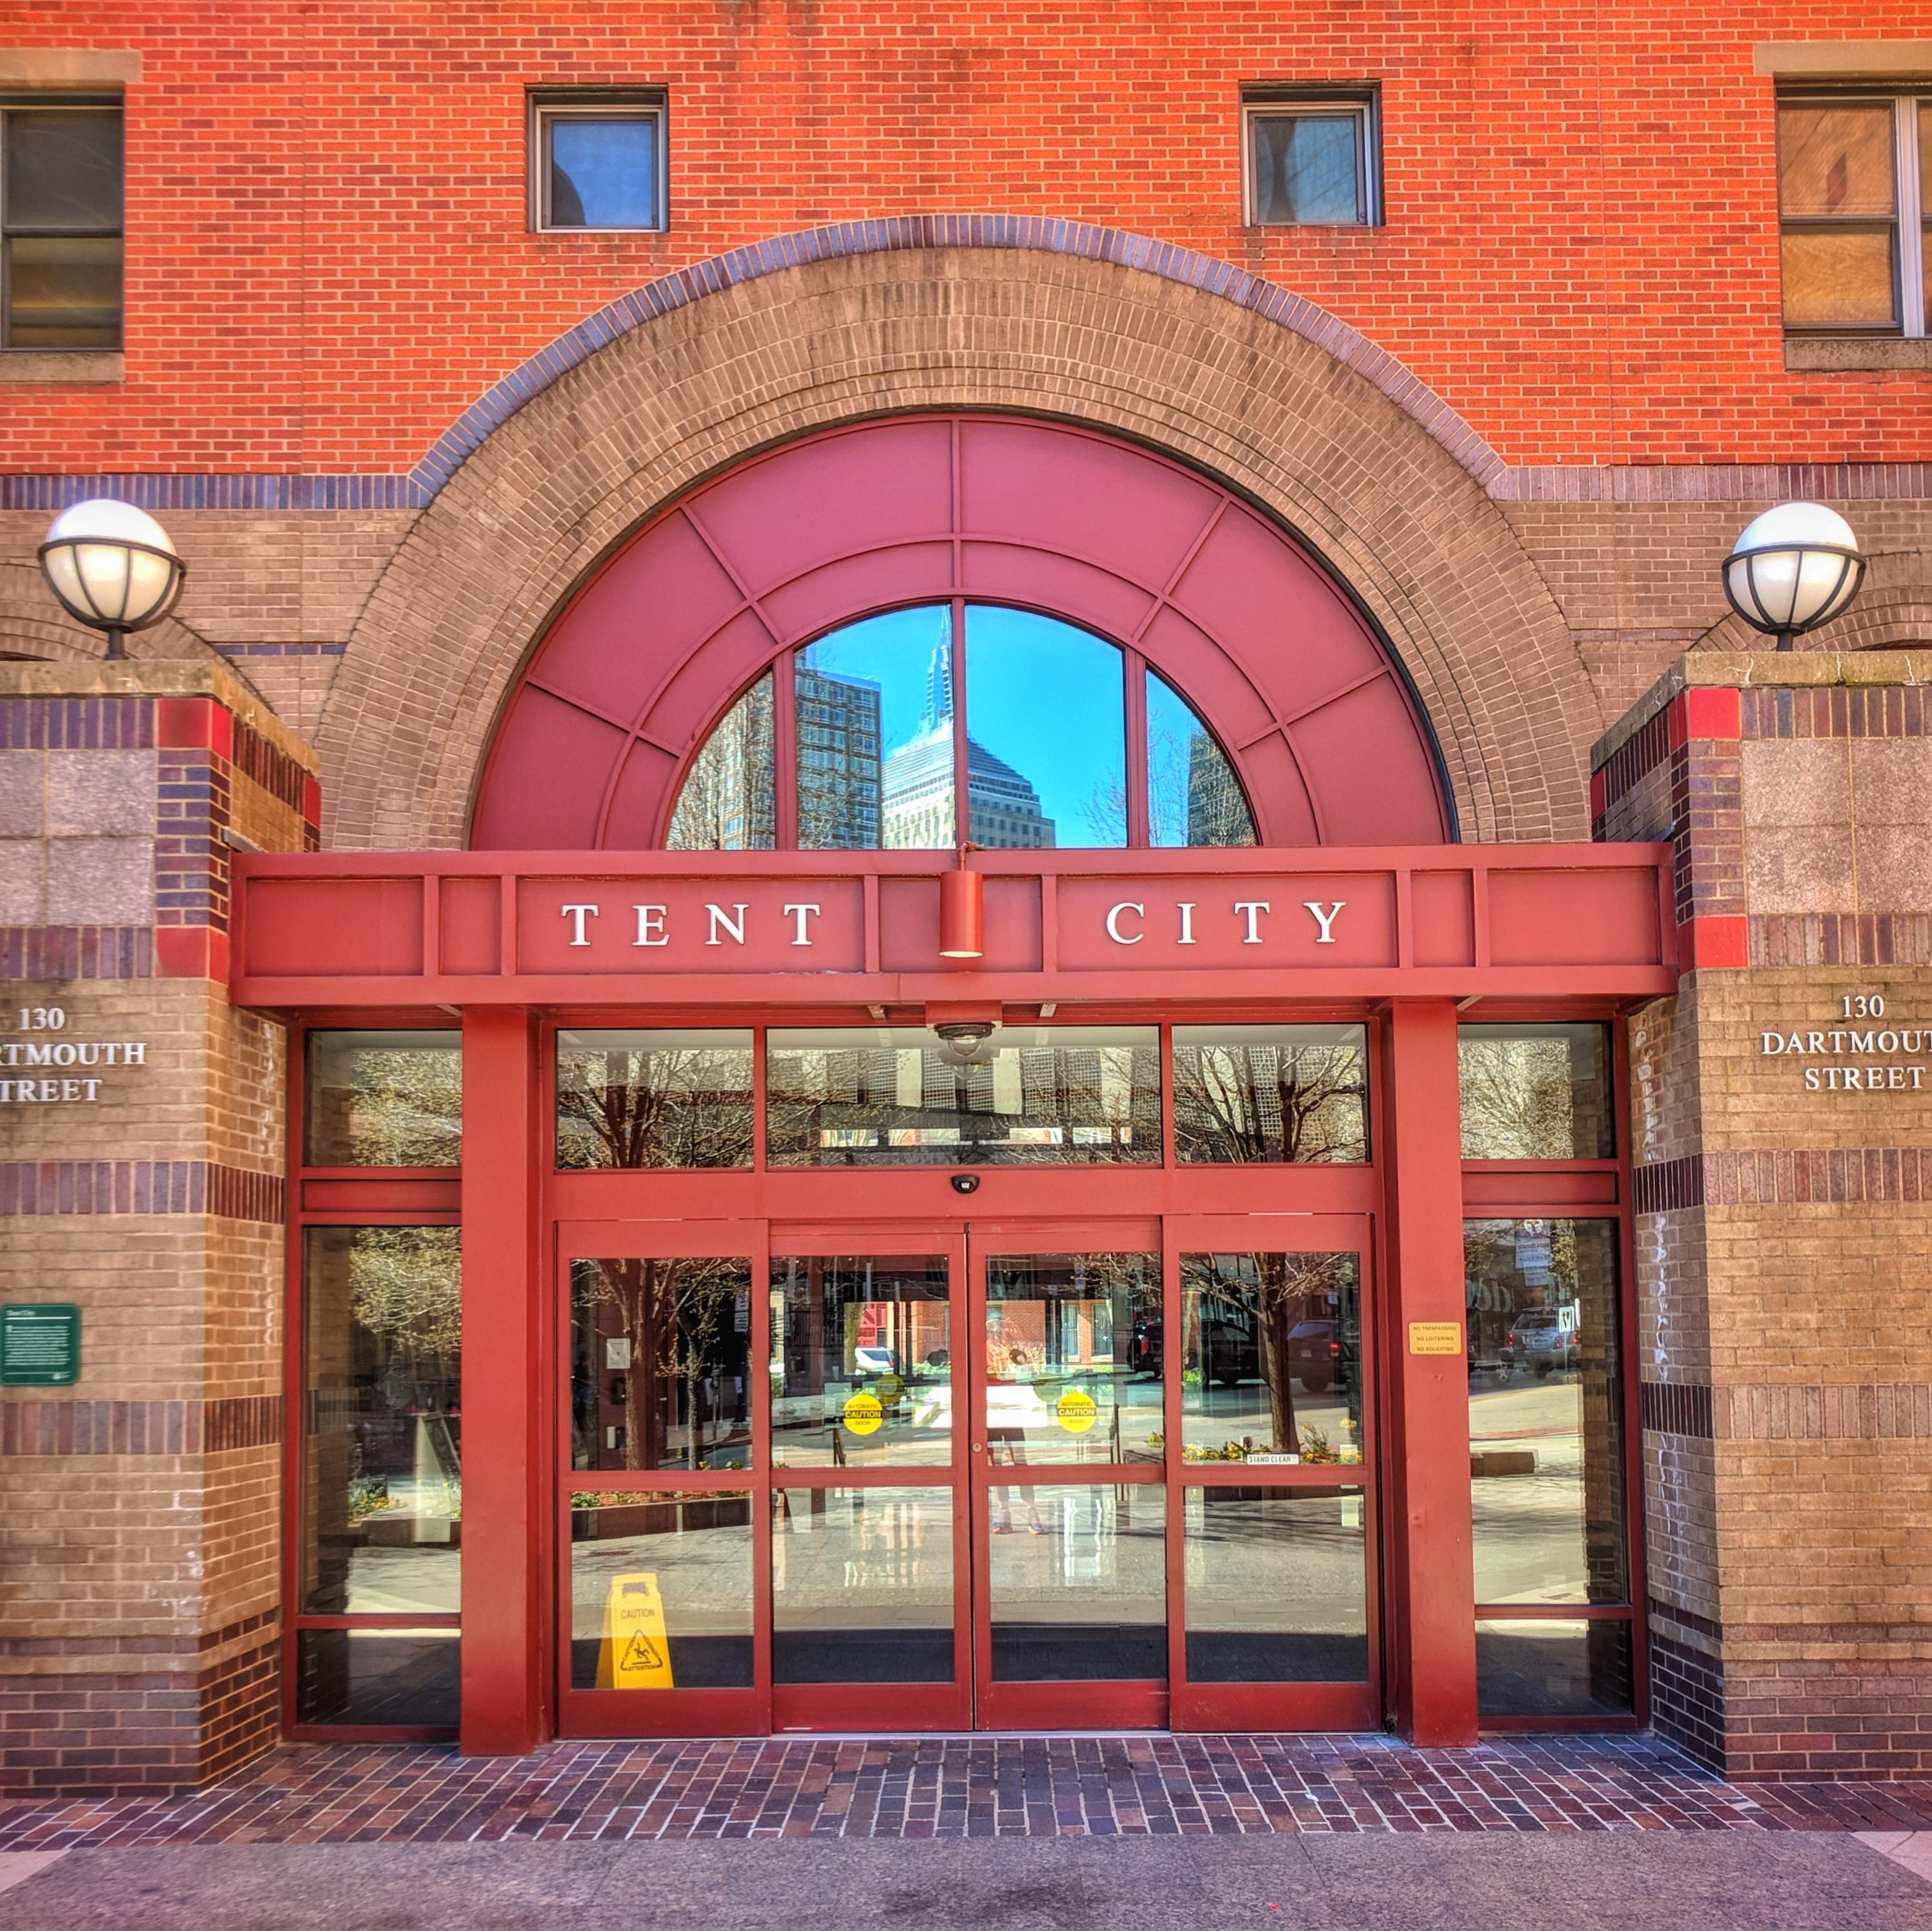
858, 742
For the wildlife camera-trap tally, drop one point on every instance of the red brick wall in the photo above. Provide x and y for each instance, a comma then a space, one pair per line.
328, 256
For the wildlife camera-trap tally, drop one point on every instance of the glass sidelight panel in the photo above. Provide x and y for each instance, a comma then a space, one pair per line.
1073, 1360
1541, 1667
897, 1096
1536, 1093
379, 1676
384, 1098
684, 1561
1545, 1411
382, 1482
861, 1585
660, 1371
1276, 1586
1271, 1356
862, 1361
1078, 1582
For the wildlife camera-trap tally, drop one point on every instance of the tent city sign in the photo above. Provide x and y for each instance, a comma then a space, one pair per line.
819, 925
1857, 1052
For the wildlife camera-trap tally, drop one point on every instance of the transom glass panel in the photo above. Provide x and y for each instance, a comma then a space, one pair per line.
896, 1096
887, 717
1250, 1094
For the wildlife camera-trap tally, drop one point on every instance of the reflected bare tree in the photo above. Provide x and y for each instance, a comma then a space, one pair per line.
1525, 1097
1249, 1104
676, 1314
655, 1106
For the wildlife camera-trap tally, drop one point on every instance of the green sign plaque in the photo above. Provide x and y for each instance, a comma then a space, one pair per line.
40, 1344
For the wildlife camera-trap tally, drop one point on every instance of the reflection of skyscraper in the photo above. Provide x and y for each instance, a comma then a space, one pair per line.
1002, 808
838, 762
1217, 812
726, 804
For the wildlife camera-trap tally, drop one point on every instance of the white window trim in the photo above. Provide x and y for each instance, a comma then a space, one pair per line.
601, 104
1363, 103
1908, 215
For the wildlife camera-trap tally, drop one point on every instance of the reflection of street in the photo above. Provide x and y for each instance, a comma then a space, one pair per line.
704, 1575
1213, 1416
404, 1579
872, 1558
1282, 1564
1526, 1452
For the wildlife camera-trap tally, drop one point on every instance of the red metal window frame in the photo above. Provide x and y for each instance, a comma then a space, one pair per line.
340, 1197
1581, 1190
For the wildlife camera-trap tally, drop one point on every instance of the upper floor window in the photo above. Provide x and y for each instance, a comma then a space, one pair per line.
597, 160
861, 742
1855, 188
60, 224
1311, 158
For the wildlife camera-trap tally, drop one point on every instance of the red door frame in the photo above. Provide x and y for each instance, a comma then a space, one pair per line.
1415, 1190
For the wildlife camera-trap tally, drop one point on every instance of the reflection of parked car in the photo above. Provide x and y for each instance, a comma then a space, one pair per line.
869, 1360
1229, 1353
1313, 1354
1542, 1340
1144, 1346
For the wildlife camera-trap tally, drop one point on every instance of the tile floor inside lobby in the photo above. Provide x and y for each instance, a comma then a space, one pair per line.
1086, 1786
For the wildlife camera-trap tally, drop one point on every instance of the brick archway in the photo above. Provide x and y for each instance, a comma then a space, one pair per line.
1358, 476
921, 509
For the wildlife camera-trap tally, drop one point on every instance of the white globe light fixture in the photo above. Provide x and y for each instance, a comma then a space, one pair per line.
1794, 567
113, 567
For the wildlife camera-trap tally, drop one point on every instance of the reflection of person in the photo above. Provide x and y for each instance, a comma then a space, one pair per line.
1014, 1371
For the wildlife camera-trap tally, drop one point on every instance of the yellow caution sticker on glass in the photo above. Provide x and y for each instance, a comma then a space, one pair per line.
1076, 1411
636, 1651
863, 1414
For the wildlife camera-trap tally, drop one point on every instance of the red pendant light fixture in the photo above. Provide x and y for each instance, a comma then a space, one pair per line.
962, 911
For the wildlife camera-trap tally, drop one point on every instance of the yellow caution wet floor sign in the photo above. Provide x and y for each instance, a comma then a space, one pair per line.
636, 1651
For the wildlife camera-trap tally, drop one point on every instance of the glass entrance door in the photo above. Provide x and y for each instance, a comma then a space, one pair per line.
891, 1477
1067, 1464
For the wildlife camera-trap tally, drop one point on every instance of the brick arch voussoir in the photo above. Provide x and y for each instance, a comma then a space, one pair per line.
1399, 516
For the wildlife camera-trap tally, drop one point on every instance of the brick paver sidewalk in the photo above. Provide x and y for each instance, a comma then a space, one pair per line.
1085, 1786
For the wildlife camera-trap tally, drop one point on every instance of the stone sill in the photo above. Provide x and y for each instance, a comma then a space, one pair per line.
1852, 352
62, 365
156, 677
1798, 670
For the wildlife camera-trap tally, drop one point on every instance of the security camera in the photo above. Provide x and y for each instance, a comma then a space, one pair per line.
963, 1039
965, 1182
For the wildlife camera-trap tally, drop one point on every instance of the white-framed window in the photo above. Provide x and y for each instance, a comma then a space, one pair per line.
1854, 192
598, 159
1310, 157
61, 194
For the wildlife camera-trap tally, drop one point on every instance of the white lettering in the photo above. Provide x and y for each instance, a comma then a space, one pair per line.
801, 913
134, 1053
1253, 908
1186, 909
1324, 919
1810, 1079
650, 926
1887, 1043
93, 1087
579, 913
1114, 931
1772, 1043
722, 922
1814, 1042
